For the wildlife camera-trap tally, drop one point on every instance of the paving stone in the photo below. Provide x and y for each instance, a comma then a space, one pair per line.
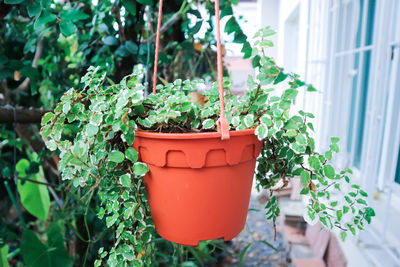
258, 228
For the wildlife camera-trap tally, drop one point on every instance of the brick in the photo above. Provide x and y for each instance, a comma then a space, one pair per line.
294, 234
335, 255
308, 263
318, 239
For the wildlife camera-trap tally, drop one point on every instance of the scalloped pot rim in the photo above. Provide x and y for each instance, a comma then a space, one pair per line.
191, 135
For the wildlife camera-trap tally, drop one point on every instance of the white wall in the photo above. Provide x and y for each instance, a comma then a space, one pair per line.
268, 13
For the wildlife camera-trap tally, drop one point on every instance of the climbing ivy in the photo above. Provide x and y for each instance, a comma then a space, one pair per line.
99, 158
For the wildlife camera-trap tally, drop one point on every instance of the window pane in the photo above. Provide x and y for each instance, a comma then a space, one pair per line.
353, 103
397, 177
341, 28
370, 22
359, 130
359, 27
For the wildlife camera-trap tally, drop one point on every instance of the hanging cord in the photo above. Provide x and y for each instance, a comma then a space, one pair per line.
157, 45
146, 73
223, 125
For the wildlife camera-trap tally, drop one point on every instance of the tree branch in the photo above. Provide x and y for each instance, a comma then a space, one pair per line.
38, 54
24, 115
165, 26
115, 10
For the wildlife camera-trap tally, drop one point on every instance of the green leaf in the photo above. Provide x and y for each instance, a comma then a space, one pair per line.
334, 148
208, 123
339, 214
35, 197
305, 178
301, 139
13, 2
140, 168
96, 119
240, 37
261, 132
343, 236
125, 180
363, 193
131, 47
145, 2
291, 133
311, 88
348, 199
130, 6
227, 11
33, 251
285, 104
33, 74
328, 155
44, 18
246, 50
329, 171
196, 28
249, 120
74, 15
281, 77
131, 154
33, 9
110, 40
91, 130
116, 156
56, 247
362, 201
51, 145
268, 43
369, 212
47, 117
305, 191
67, 28
243, 253
110, 220
266, 120
3, 256
232, 26
290, 94
291, 125
335, 139
345, 209
314, 163
21, 167
122, 51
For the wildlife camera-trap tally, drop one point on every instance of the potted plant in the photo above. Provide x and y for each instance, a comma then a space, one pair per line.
109, 135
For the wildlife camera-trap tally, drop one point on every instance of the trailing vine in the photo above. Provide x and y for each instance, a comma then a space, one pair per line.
94, 129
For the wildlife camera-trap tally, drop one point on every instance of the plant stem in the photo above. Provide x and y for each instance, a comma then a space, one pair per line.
15, 203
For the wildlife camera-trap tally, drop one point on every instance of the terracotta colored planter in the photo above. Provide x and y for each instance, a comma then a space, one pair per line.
198, 185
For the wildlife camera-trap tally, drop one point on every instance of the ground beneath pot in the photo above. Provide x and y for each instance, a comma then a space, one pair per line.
257, 229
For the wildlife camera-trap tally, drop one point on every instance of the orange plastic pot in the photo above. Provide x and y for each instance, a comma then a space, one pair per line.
198, 185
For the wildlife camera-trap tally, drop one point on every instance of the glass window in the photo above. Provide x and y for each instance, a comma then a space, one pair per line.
397, 177
362, 109
359, 27
370, 22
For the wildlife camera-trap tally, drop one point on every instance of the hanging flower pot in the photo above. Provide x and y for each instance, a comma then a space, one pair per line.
198, 185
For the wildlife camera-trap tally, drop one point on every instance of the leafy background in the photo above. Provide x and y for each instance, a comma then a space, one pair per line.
45, 47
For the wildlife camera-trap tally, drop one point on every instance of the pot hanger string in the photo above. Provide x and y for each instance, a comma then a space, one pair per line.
223, 125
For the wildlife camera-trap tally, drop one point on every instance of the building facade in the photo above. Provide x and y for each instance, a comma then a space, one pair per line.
350, 51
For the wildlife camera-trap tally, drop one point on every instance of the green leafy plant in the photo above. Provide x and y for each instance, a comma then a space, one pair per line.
46, 46
99, 157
